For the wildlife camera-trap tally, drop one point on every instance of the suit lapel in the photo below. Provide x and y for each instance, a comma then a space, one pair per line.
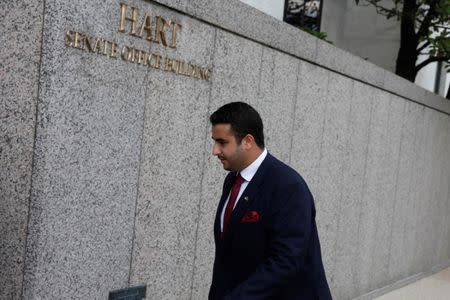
248, 196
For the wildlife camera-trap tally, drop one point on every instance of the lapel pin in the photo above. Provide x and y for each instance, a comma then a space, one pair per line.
246, 198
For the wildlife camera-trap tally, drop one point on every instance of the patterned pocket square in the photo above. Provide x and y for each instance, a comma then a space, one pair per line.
251, 216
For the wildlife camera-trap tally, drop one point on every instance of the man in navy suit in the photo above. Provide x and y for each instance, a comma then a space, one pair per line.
267, 246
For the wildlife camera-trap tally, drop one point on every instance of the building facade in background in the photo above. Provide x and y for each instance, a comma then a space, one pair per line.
357, 29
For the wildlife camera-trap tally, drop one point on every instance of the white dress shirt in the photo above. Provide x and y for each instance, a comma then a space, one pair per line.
247, 174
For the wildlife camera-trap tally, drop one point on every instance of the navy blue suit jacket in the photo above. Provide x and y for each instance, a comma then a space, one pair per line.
271, 247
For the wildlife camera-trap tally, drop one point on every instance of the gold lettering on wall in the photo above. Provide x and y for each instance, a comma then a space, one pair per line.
156, 29
161, 27
132, 19
174, 34
153, 28
157, 62
113, 50
90, 44
147, 27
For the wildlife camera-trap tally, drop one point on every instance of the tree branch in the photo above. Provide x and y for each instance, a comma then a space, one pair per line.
423, 46
442, 26
430, 60
424, 27
382, 10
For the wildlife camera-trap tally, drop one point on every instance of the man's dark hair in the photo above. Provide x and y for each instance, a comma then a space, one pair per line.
243, 119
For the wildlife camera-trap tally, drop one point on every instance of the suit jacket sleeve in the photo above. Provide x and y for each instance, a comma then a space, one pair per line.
289, 230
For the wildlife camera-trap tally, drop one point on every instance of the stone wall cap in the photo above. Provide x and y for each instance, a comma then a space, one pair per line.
241, 19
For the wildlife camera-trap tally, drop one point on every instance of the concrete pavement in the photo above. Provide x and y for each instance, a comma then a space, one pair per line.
434, 287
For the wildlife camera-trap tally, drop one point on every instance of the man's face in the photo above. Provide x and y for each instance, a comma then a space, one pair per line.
226, 148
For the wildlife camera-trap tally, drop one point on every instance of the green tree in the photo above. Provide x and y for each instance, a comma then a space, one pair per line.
424, 30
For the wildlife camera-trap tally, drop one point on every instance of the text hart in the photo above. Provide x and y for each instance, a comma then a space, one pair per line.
151, 31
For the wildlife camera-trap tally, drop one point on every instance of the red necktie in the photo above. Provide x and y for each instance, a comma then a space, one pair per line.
230, 205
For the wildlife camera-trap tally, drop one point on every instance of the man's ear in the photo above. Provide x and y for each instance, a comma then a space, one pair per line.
248, 142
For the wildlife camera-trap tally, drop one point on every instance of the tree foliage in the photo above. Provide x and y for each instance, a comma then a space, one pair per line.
425, 31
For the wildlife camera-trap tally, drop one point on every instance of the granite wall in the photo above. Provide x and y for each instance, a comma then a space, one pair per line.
20, 40
107, 175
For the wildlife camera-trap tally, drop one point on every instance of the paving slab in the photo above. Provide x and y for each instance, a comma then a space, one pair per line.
436, 287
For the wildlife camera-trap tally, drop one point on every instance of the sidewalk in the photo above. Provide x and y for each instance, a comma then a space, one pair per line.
434, 287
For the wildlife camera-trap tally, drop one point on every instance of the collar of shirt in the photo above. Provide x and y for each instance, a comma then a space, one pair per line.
250, 170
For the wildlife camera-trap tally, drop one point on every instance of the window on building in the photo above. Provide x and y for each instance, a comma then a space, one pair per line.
303, 13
